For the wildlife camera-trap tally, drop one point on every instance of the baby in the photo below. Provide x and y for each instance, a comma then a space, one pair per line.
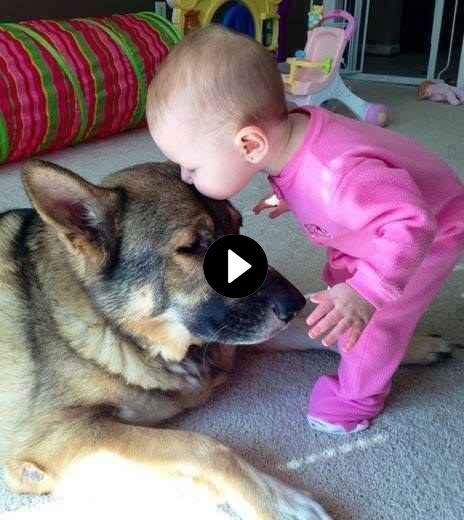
389, 213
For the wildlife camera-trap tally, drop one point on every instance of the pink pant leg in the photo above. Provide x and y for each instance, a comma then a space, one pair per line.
357, 394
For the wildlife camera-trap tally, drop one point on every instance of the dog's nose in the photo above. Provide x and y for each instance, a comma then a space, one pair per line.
283, 311
286, 299
286, 306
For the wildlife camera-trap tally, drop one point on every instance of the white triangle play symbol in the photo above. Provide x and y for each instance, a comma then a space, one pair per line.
236, 266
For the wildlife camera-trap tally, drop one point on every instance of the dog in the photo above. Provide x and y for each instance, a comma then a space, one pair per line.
108, 328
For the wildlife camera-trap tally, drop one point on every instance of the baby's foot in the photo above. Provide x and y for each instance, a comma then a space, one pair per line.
338, 429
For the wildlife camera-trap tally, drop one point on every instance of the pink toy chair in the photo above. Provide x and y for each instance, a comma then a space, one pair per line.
314, 86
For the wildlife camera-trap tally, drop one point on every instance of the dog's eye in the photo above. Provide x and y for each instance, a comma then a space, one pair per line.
198, 246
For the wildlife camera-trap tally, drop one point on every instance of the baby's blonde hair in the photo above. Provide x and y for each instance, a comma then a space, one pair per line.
227, 77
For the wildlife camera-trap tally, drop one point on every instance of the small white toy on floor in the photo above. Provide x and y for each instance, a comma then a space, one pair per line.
438, 90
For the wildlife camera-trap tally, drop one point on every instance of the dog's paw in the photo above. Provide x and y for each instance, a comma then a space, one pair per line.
195, 374
293, 504
27, 477
189, 369
426, 350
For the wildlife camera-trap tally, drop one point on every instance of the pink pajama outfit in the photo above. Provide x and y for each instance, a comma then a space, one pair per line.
391, 215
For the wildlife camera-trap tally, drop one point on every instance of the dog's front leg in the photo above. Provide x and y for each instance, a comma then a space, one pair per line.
212, 468
102, 462
141, 407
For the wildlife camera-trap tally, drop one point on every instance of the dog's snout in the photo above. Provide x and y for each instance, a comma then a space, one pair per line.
286, 299
283, 311
287, 305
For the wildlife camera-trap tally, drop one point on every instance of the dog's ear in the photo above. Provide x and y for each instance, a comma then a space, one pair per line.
83, 215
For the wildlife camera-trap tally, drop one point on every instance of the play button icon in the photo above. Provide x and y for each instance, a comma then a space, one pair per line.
235, 266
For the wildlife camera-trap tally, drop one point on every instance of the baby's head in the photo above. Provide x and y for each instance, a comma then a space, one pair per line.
214, 107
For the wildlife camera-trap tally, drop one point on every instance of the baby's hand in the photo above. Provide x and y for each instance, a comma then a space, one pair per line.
271, 201
340, 308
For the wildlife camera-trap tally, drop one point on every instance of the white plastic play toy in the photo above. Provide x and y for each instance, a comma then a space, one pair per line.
314, 75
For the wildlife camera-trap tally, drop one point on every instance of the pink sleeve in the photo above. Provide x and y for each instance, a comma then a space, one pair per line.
393, 228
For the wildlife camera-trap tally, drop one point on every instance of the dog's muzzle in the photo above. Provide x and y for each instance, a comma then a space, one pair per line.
286, 299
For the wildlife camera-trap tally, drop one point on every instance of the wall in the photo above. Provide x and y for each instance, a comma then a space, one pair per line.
16, 10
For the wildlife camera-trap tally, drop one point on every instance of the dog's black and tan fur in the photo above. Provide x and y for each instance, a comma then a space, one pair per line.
104, 318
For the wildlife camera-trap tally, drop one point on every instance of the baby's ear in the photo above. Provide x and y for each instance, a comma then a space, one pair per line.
83, 215
252, 144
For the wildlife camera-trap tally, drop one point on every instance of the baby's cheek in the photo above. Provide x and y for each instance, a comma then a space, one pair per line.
211, 187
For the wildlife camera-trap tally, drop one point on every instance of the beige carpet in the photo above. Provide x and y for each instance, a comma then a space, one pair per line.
409, 465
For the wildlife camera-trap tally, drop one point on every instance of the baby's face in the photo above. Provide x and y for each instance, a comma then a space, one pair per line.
209, 158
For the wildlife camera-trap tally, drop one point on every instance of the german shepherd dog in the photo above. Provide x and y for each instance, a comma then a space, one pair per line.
105, 316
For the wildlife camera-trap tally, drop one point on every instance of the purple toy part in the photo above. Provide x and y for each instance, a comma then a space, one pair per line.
376, 114
339, 13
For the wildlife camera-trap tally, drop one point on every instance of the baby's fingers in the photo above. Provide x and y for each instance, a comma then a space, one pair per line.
319, 312
337, 332
355, 333
325, 324
319, 297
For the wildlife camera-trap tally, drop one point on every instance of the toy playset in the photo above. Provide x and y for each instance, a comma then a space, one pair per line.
256, 18
314, 75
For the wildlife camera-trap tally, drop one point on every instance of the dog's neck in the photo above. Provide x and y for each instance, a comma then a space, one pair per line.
95, 340
137, 361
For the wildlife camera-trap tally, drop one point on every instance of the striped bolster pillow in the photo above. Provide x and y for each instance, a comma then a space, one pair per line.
63, 82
